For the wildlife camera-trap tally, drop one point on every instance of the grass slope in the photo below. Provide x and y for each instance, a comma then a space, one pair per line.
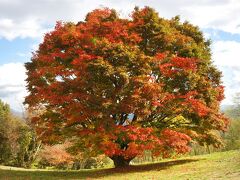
223, 165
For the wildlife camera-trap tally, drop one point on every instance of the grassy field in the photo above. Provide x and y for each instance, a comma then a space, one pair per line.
223, 165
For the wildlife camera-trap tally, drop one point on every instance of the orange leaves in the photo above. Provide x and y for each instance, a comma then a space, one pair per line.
160, 56
164, 99
200, 108
175, 140
98, 15
220, 93
56, 155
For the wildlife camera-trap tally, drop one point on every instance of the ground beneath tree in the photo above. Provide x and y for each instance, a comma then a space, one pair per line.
223, 165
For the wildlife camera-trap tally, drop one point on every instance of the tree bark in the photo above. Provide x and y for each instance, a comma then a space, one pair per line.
120, 161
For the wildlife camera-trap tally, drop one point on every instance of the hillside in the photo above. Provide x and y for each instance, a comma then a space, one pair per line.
223, 165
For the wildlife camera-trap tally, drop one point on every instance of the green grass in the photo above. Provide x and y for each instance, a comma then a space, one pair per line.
223, 165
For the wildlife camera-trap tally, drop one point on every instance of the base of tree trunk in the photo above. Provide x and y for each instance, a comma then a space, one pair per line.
120, 161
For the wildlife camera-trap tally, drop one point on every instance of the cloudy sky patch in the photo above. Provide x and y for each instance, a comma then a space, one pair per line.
12, 84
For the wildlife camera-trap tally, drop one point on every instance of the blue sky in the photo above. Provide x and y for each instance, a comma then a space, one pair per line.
16, 50
23, 24
219, 35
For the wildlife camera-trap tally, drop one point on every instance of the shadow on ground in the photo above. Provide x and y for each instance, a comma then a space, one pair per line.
148, 167
13, 174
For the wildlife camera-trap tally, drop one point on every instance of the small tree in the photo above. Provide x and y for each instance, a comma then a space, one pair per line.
121, 86
55, 156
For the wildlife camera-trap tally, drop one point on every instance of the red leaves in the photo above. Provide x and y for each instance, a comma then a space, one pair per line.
195, 105
134, 139
177, 65
166, 69
81, 58
59, 55
160, 56
187, 64
110, 148
137, 140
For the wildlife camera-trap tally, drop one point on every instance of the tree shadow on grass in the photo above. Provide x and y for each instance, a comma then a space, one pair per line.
96, 173
148, 167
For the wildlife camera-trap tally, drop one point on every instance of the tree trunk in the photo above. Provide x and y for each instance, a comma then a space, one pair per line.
120, 161
208, 149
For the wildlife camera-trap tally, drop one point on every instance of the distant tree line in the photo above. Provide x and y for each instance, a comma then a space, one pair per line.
232, 138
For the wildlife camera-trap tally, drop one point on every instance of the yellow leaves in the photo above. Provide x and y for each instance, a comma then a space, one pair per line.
180, 119
107, 103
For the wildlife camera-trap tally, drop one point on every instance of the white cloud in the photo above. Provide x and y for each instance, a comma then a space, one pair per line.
226, 58
11, 29
226, 53
28, 18
12, 84
231, 83
223, 15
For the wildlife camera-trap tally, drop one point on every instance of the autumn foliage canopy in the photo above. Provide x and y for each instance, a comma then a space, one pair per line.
122, 86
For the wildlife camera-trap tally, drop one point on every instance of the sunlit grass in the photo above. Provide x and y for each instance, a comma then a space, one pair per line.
223, 165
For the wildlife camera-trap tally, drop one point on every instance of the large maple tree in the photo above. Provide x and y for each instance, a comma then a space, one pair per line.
122, 86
